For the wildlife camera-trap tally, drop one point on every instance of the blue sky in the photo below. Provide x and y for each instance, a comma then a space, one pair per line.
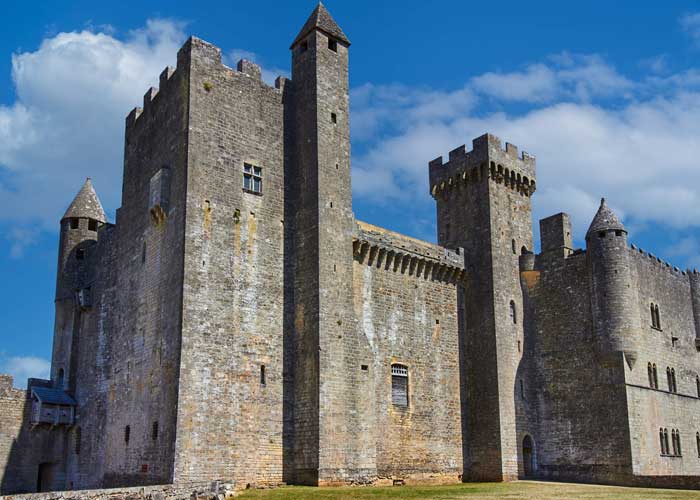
606, 95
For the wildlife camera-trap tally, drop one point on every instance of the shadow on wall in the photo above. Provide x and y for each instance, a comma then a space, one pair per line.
34, 457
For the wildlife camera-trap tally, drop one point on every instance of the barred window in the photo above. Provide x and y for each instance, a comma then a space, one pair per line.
252, 178
399, 385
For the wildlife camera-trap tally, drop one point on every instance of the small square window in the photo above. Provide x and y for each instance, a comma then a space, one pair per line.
252, 178
333, 45
92, 225
74, 223
334, 118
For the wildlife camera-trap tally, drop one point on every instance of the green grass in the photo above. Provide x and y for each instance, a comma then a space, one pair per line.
519, 489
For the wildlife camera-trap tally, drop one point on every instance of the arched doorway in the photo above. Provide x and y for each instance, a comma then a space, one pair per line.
528, 456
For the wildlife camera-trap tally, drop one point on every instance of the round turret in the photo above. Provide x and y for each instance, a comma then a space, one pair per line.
79, 227
614, 299
78, 239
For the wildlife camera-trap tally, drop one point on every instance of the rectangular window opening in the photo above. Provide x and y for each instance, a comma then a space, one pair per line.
399, 385
262, 375
74, 223
334, 118
92, 225
333, 45
252, 178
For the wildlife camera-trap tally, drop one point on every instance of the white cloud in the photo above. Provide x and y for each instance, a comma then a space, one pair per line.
67, 123
567, 76
594, 133
691, 24
23, 367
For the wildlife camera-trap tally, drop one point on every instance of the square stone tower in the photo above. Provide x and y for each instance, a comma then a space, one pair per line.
483, 205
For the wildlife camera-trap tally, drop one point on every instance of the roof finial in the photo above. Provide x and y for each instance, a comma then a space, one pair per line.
605, 219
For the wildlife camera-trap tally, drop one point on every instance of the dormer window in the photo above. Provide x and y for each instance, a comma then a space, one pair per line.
333, 45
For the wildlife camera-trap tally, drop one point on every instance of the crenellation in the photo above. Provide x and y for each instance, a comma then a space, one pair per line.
485, 161
148, 98
249, 68
165, 76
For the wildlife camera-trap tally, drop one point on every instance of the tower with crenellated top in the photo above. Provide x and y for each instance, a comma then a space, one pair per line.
483, 199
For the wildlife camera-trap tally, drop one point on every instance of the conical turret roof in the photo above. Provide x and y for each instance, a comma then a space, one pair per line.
320, 19
605, 219
86, 204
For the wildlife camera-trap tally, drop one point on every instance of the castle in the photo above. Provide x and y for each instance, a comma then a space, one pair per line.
237, 322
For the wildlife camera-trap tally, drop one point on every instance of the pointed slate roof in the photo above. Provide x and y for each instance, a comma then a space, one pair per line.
605, 219
86, 204
321, 20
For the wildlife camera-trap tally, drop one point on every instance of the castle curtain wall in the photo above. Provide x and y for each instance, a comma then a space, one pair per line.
582, 432
407, 309
667, 287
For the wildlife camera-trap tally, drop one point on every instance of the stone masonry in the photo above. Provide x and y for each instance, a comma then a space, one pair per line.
237, 325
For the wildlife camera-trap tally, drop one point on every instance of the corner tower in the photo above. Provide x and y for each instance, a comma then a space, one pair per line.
483, 205
329, 441
79, 227
614, 301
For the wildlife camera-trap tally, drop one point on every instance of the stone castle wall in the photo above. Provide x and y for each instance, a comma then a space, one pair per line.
229, 418
406, 299
670, 346
12, 412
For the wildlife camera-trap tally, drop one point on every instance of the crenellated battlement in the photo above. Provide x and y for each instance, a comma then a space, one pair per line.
487, 160
150, 97
652, 259
205, 53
